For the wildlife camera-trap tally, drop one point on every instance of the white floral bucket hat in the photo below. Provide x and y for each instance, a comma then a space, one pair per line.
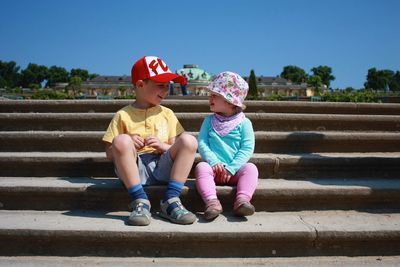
230, 86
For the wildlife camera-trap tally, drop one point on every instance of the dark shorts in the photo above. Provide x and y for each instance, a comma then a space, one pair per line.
154, 168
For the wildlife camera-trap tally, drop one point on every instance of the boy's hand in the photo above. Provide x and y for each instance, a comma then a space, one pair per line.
154, 142
222, 176
137, 141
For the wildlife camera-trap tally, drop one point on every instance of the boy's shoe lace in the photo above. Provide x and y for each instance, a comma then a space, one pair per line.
243, 207
179, 214
213, 209
140, 215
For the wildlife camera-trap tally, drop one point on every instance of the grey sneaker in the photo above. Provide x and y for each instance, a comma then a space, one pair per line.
179, 215
140, 216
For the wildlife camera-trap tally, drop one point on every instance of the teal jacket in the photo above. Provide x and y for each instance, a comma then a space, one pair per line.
233, 150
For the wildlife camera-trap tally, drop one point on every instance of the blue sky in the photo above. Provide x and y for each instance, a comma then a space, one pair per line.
106, 37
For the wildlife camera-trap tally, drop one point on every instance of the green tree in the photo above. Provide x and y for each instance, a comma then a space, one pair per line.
325, 73
316, 82
83, 74
92, 76
9, 74
34, 75
294, 74
75, 84
3, 82
122, 90
349, 89
57, 75
394, 84
253, 91
380, 79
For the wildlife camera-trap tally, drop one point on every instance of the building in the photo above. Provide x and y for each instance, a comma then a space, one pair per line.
268, 86
197, 78
108, 85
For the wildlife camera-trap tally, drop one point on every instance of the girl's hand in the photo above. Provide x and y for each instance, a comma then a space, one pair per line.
217, 169
154, 142
222, 176
226, 177
137, 141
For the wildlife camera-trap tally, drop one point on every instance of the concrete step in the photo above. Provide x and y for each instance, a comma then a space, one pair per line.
199, 105
324, 165
284, 234
193, 121
66, 193
312, 261
266, 142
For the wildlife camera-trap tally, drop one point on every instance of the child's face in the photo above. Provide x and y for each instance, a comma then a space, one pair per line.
218, 104
150, 93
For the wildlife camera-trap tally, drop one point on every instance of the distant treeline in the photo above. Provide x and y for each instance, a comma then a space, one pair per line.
12, 76
321, 77
386, 80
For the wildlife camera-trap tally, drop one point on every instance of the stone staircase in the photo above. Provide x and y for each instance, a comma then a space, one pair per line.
329, 184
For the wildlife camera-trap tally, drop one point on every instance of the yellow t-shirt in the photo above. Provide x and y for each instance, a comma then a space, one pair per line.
156, 121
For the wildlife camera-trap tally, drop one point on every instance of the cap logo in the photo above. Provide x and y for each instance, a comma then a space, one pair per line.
155, 65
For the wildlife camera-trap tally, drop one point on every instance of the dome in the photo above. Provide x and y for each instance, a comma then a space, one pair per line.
194, 73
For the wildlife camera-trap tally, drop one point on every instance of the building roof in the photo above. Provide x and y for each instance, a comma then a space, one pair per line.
274, 80
108, 82
269, 80
193, 72
112, 79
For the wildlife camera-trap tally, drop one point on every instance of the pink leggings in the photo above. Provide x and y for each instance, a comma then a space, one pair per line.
245, 179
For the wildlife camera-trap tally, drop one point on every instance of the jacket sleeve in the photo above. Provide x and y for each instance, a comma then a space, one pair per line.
204, 145
246, 150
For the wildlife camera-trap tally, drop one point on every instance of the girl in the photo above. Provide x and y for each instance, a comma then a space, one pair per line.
226, 143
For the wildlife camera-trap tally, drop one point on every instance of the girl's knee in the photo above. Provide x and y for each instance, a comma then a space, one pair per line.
252, 167
202, 167
249, 169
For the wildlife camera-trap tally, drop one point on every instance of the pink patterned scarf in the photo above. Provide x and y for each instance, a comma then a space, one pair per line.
224, 125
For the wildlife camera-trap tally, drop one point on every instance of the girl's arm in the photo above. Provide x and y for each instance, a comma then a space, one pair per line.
246, 150
204, 146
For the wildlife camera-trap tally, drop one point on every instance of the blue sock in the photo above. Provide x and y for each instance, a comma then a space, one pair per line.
137, 191
174, 189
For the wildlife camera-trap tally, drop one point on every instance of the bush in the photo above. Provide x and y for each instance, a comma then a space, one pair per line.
365, 96
358, 96
275, 97
49, 94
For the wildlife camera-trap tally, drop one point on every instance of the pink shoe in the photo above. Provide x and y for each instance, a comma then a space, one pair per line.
213, 209
243, 208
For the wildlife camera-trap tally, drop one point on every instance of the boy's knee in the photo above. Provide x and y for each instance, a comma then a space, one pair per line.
188, 141
122, 143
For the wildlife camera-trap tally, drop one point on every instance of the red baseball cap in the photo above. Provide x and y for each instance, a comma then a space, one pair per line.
153, 68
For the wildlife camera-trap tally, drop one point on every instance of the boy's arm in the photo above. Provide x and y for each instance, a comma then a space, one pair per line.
246, 150
172, 140
109, 151
154, 142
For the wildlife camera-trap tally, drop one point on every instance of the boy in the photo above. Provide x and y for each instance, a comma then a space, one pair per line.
147, 145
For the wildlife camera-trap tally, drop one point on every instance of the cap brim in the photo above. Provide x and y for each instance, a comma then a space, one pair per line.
212, 91
167, 77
